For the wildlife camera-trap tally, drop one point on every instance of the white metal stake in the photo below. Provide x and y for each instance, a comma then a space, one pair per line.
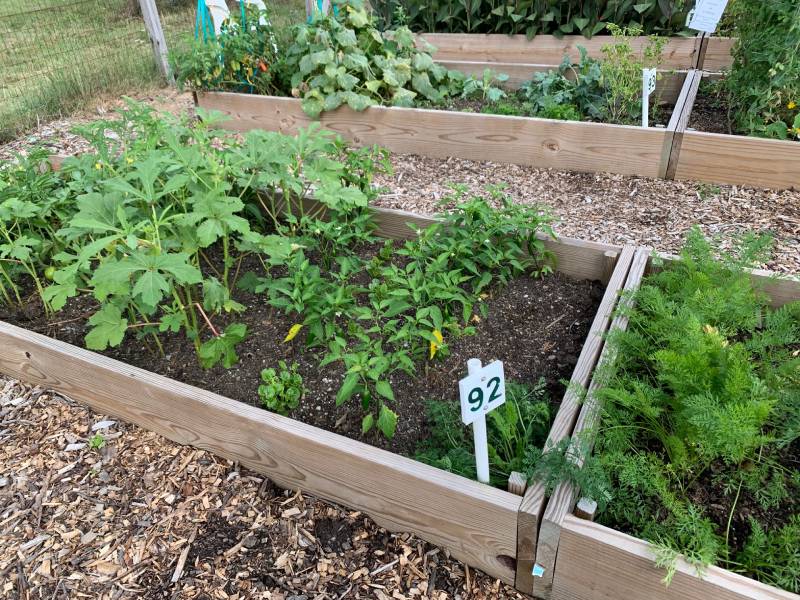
479, 431
648, 87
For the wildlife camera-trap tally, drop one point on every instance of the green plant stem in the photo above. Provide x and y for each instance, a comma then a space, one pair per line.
730, 519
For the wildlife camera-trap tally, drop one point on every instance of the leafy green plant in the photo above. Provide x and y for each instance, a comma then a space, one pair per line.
764, 81
573, 92
704, 398
521, 423
242, 58
621, 72
347, 60
533, 18
281, 390
32, 205
486, 88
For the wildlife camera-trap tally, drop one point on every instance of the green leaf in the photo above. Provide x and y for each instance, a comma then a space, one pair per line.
108, 328
177, 264
346, 37
151, 287
348, 388
367, 423
384, 389
387, 421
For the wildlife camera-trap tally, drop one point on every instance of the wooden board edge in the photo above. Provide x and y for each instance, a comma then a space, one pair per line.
680, 120
580, 146
293, 454
564, 421
599, 563
563, 498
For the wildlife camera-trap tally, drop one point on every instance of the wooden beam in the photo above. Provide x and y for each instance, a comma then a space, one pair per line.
544, 49
679, 121
152, 23
598, 563
476, 523
718, 54
517, 482
739, 160
577, 146
565, 495
532, 505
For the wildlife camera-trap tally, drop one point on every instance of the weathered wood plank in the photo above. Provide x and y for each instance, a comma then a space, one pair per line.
475, 522
532, 505
740, 160
718, 55
680, 120
578, 146
545, 49
561, 502
598, 563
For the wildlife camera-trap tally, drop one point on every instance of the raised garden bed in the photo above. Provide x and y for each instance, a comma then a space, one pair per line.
477, 523
572, 145
585, 560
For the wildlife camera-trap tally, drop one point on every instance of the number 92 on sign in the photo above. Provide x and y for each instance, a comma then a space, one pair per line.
482, 391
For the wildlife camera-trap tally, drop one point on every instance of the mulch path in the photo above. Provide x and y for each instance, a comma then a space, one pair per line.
607, 207
142, 517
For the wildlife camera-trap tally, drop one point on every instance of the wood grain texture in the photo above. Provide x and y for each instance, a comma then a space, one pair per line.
577, 146
739, 160
532, 506
679, 121
598, 563
475, 522
544, 49
563, 499
718, 54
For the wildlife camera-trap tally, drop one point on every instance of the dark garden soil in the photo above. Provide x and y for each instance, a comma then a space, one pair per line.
711, 112
537, 327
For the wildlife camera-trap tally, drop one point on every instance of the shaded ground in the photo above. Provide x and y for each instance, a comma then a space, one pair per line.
142, 517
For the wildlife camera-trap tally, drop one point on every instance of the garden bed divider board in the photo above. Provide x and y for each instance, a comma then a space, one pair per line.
679, 53
476, 523
736, 159
679, 120
593, 562
533, 501
543, 143
565, 495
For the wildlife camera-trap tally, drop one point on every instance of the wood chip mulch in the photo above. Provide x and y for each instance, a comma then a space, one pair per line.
91, 507
606, 207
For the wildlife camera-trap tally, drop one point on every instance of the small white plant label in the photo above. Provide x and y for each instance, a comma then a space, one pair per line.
482, 391
706, 15
649, 77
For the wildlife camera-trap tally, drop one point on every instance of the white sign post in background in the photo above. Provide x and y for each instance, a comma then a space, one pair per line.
481, 391
649, 77
706, 15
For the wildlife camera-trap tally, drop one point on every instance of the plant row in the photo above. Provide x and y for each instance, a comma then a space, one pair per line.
169, 222
344, 59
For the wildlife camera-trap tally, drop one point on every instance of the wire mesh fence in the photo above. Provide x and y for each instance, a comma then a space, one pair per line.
57, 54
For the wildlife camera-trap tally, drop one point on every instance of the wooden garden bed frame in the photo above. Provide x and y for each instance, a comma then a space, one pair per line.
477, 523
582, 560
671, 152
566, 145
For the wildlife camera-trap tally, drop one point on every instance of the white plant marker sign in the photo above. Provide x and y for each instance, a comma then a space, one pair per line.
649, 77
481, 391
706, 15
